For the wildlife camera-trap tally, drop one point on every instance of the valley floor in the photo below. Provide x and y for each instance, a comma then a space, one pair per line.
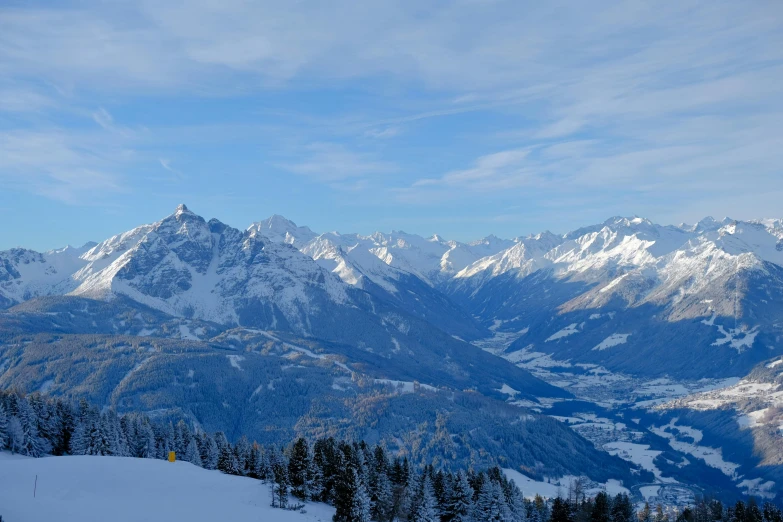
99, 489
609, 409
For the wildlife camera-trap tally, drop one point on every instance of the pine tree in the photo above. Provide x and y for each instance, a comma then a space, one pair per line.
280, 486
491, 504
405, 499
516, 504
660, 516
317, 488
425, 505
344, 487
107, 439
79, 442
15, 435
209, 451
64, 428
325, 459
182, 437
645, 515
32, 444
460, 500
381, 496
227, 461
561, 511
192, 455
360, 503
3, 428
622, 509
242, 452
716, 511
299, 470
164, 440
44, 420
601, 507
145, 440
772, 513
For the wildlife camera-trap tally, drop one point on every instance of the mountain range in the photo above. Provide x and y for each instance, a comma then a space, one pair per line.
430, 345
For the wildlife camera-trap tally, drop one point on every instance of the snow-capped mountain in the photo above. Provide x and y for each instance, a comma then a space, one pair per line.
639, 289
25, 274
188, 268
626, 279
684, 307
431, 259
184, 266
400, 271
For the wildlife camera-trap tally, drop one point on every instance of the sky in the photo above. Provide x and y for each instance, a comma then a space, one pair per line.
462, 118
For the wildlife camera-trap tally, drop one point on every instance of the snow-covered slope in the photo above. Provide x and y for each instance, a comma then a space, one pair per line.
718, 285
97, 489
25, 274
431, 259
184, 266
757, 398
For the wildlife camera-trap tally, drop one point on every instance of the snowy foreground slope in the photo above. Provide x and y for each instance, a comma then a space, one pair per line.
98, 489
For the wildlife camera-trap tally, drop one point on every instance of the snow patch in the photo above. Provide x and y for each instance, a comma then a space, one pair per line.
558, 487
185, 333
649, 493
713, 457
640, 454
571, 329
234, 360
508, 390
405, 386
758, 488
613, 340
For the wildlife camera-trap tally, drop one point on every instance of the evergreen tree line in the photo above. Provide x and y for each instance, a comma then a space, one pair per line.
604, 508
363, 483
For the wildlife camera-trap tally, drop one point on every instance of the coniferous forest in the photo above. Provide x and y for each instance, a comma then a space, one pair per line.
362, 483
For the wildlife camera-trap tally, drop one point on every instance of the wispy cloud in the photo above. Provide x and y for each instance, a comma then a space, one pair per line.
497, 171
331, 162
58, 166
512, 101
166, 164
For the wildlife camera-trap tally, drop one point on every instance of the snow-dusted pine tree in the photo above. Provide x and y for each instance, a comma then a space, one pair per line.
242, 452
426, 505
3, 428
280, 487
15, 435
145, 440
299, 470
516, 504
491, 504
192, 455
459, 500
209, 451
32, 444
182, 437
360, 503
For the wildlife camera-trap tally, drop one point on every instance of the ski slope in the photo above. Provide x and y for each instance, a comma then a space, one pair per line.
98, 489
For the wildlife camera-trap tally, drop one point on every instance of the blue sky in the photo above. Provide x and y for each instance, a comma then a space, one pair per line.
463, 118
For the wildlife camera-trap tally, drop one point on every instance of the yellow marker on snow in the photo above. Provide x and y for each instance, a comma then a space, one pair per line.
172, 456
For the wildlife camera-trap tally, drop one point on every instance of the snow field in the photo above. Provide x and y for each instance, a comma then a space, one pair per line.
122, 489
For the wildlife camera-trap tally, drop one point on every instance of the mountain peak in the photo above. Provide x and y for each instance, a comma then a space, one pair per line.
627, 221
281, 229
277, 221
